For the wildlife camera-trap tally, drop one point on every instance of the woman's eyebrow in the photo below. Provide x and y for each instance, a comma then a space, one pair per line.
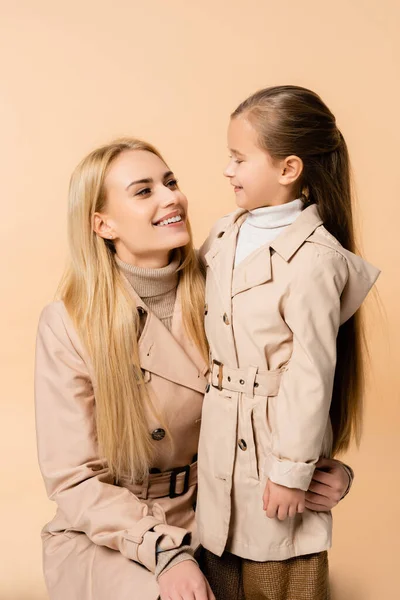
148, 180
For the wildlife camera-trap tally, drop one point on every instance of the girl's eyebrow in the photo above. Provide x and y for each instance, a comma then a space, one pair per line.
233, 151
148, 180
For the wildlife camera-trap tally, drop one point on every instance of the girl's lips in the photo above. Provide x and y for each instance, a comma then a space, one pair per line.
237, 189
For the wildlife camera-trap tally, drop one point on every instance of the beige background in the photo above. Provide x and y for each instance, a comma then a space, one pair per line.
75, 74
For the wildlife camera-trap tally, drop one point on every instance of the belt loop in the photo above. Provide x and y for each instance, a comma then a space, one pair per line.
145, 487
250, 381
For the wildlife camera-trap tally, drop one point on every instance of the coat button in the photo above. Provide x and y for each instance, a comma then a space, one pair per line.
207, 388
158, 434
221, 233
242, 445
241, 381
226, 320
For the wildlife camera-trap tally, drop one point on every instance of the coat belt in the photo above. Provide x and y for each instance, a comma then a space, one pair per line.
168, 483
251, 381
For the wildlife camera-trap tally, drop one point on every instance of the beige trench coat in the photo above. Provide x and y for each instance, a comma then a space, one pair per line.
101, 543
272, 324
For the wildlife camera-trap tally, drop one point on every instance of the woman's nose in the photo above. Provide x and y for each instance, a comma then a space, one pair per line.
170, 197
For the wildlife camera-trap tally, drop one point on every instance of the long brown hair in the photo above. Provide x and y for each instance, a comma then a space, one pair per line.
292, 120
107, 321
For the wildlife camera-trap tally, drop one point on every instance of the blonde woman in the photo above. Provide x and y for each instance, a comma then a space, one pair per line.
121, 367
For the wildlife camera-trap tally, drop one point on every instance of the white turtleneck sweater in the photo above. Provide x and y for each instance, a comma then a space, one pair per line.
263, 225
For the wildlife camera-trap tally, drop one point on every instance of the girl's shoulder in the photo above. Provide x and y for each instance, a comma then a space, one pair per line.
218, 230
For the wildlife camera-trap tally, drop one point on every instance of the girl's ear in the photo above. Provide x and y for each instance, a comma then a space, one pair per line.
292, 168
101, 226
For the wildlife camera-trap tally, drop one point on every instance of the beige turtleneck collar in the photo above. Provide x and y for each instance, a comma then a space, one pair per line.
156, 287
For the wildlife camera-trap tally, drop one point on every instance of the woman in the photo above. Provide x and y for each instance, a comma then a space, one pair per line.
121, 368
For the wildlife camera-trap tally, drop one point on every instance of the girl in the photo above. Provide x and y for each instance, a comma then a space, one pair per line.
282, 294
120, 376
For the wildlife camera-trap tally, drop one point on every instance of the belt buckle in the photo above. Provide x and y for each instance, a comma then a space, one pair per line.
220, 374
172, 486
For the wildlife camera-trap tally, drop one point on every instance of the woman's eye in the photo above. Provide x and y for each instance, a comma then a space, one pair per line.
143, 192
173, 183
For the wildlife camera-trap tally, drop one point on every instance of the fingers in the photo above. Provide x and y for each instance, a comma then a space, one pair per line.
319, 488
322, 477
282, 512
210, 594
266, 497
271, 510
325, 463
316, 507
319, 503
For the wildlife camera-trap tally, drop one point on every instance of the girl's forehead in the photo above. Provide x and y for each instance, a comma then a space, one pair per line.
242, 137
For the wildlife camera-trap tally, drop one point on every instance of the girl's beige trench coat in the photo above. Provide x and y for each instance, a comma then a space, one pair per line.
102, 542
272, 324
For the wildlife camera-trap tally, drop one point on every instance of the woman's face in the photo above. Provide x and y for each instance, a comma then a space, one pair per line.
145, 212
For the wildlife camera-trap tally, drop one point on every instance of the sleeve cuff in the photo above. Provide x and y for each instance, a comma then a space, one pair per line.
350, 473
148, 534
289, 474
170, 558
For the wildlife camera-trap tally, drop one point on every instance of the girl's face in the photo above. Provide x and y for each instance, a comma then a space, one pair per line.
256, 178
145, 212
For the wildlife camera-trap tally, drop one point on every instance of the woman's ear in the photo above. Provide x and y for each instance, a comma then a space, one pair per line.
292, 168
101, 226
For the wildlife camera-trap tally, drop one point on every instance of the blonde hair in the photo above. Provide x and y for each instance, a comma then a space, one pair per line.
106, 318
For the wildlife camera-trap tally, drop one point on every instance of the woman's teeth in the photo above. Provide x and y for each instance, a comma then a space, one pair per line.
169, 221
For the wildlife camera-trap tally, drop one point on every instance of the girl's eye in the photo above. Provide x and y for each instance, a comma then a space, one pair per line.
143, 192
237, 161
173, 183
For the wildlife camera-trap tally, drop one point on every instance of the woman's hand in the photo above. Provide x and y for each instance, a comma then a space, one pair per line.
184, 581
328, 486
282, 502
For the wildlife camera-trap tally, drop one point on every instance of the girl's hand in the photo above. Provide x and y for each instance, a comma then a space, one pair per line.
184, 581
282, 502
328, 486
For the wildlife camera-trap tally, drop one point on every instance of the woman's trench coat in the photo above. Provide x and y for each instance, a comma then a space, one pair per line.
272, 324
101, 543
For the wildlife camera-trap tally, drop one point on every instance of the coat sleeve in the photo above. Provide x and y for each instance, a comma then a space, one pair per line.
299, 414
76, 477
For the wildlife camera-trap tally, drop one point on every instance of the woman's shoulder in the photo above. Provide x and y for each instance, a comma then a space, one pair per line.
54, 315
56, 326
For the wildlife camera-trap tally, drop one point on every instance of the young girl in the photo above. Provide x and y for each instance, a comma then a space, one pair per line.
282, 294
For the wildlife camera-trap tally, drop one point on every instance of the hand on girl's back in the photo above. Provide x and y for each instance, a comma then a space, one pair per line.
184, 580
282, 502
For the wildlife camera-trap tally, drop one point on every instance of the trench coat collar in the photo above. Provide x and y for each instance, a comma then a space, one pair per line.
256, 268
290, 240
169, 354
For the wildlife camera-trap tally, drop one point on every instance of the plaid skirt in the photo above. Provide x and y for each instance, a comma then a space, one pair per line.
235, 578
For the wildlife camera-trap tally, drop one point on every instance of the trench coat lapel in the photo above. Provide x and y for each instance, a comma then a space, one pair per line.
220, 259
162, 354
256, 268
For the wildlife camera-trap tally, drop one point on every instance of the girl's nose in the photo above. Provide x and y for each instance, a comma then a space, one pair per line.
229, 169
